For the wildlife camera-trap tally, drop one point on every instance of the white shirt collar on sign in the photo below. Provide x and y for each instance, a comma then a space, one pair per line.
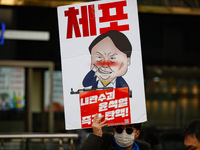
111, 84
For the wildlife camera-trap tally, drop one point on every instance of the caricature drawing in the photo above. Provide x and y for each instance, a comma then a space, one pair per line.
110, 58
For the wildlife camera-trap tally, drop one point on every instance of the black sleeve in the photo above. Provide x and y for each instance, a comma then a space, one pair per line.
93, 142
143, 145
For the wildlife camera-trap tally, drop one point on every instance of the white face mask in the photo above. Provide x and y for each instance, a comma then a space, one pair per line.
123, 139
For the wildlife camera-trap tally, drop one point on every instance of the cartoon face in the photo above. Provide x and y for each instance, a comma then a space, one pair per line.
111, 62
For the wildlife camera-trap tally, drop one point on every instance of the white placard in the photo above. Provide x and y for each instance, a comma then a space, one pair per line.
100, 48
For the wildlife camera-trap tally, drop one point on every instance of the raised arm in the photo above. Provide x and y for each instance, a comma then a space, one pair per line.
95, 141
98, 124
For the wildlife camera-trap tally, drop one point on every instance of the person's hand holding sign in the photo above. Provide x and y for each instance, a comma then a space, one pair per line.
98, 125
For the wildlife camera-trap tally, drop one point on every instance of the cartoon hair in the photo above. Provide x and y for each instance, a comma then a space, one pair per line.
119, 39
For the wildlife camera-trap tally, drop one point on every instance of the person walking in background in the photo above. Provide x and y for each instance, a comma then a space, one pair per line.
191, 135
123, 137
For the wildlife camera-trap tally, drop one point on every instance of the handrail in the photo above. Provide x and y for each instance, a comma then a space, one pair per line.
71, 136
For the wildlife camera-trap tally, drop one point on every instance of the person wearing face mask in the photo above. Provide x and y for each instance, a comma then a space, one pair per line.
124, 137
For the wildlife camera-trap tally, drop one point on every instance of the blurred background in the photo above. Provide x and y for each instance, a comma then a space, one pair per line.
31, 95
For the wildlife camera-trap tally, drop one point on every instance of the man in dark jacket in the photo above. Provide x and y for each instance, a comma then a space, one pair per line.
123, 137
191, 134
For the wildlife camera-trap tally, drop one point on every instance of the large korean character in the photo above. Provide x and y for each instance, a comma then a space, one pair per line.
102, 97
84, 101
112, 104
110, 95
86, 120
110, 115
93, 99
103, 106
113, 19
120, 112
87, 21
123, 102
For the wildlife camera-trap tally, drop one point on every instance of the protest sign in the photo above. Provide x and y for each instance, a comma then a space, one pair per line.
105, 102
101, 63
